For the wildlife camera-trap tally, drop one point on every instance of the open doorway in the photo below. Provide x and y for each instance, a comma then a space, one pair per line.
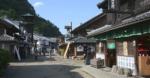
110, 53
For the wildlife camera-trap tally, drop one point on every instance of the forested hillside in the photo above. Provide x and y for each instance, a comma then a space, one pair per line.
16, 8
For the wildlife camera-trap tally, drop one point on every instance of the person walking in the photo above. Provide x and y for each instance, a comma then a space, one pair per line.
50, 52
85, 51
35, 52
88, 55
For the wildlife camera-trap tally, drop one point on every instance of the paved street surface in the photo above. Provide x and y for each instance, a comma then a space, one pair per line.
56, 67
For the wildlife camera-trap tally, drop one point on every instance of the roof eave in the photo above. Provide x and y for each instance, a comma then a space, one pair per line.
89, 22
101, 4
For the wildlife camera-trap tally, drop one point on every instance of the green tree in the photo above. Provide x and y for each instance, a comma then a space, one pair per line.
16, 8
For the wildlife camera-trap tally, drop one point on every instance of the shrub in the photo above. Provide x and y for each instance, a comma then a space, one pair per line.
4, 60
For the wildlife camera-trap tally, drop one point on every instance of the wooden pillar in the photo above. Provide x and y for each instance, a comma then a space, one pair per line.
17, 52
105, 54
75, 51
136, 58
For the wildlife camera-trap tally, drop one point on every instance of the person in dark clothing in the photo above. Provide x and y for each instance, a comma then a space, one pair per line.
87, 52
35, 52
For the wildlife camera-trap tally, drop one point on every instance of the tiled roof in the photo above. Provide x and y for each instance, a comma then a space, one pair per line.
84, 25
6, 37
11, 24
39, 37
84, 40
127, 22
98, 30
14, 23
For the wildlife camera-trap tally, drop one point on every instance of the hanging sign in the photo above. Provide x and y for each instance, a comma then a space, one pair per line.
80, 48
125, 48
111, 44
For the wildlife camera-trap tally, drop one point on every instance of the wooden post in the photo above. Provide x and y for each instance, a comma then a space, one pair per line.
136, 58
67, 48
75, 51
17, 52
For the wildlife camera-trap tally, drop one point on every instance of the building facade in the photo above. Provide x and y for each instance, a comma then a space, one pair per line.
129, 34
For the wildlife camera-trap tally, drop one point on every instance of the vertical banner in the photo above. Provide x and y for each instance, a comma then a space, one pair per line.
125, 48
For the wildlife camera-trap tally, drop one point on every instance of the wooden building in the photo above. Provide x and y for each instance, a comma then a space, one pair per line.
76, 43
15, 38
80, 42
9, 39
127, 39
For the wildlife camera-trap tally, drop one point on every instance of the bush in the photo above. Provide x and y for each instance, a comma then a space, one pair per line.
4, 60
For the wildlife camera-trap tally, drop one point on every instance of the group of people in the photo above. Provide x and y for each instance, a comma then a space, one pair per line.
38, 50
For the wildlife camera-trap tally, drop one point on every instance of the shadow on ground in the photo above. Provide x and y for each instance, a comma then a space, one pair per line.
42, 71
40, 58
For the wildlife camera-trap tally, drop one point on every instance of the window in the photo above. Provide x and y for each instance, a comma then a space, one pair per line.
119, 48
131, 47
125, 48
123, 2
101, 47
113, 4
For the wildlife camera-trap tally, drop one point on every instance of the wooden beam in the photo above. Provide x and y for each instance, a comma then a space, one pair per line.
118, 12
67, 48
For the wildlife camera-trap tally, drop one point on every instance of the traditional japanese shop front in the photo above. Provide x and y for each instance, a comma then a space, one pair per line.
128, 46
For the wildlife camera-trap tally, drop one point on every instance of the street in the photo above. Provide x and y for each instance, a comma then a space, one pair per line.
45, 67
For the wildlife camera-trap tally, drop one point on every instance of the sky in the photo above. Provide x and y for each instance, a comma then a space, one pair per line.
62, 12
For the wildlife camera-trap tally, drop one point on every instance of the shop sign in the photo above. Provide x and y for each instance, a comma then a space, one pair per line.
126, 62
111, 44
80, 48
99, 55
125, 48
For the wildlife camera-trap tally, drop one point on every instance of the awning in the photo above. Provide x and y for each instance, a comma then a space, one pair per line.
134, 30
97, 31
129, 27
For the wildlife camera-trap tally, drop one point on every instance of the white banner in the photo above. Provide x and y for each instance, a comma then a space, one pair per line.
126, 62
